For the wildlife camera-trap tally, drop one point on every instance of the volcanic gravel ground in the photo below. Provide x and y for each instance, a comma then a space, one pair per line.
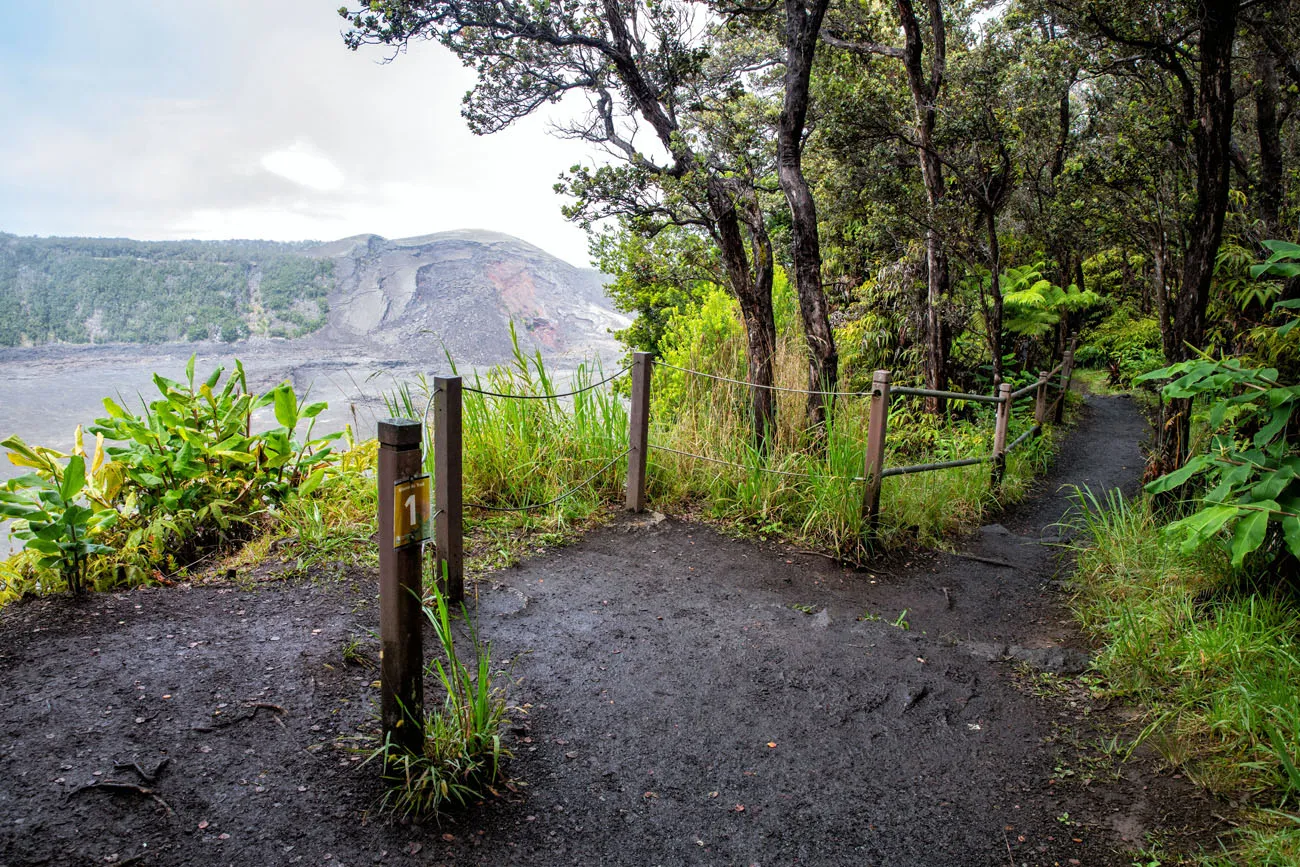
691, 699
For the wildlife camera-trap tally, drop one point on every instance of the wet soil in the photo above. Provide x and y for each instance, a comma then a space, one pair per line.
691, 699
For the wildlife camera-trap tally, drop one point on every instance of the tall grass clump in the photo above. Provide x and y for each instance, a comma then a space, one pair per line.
462, 759
811, 495
533, 447
1212, 654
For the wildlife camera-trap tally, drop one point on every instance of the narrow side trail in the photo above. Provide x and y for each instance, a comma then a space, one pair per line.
691, 699
1000, 590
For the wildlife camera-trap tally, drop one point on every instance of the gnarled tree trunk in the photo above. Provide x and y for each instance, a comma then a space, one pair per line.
753, 291
803, 20
1213, 135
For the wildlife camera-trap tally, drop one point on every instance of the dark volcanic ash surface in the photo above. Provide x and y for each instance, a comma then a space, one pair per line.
692, 699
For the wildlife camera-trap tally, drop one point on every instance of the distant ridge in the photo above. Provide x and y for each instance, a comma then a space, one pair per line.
461, 290
457, 290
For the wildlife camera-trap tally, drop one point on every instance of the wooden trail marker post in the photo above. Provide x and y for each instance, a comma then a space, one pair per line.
638, 432
1040, 399
874, 463
1000, 433
1067, 369
449, 565
403, 517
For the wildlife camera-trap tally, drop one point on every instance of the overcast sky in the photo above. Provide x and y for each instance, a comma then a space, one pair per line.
249, 119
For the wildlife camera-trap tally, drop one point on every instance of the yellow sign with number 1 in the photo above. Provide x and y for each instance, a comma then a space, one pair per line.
412, 511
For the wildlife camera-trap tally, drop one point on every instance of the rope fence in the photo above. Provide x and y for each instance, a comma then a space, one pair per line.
925, 468
446, 403
948, 395
576, 391
747, 384
880, 395
659, 448
1033, 431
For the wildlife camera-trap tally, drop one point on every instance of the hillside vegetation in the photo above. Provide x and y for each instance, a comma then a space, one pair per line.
95, 290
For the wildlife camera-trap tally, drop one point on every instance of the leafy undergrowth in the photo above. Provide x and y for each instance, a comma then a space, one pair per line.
161, 490
799, 493
1212, 656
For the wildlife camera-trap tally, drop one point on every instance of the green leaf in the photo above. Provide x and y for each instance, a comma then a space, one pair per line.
1281, 249
165, 385
1169, 481
1202, 525
286, 406
214, 378
1248, 535
115, 410
1272, 484
19, 510
311, 483
74, 478
1291, 533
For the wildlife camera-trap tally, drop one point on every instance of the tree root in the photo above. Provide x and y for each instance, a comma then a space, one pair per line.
120, 786
255, 705
147, 776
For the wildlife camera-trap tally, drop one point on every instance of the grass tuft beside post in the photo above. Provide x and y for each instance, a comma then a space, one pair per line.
461, 758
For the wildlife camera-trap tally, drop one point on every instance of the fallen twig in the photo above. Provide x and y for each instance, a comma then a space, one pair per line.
119, 786
989, 560
255, 705
147, 776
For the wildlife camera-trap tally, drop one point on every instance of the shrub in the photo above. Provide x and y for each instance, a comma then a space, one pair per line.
188, 474
1128, 343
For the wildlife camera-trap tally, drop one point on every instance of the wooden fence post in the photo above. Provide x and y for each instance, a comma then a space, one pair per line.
1000, 433
449, 565
638, 433
1067, 370
874, 462
400, 590
1040, 401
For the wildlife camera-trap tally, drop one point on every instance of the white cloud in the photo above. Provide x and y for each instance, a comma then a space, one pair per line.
302, 165
276, 131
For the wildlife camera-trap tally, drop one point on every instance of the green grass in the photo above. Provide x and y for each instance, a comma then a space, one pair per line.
462, 759
522, 453
1213, 659
1097, 381
821, 505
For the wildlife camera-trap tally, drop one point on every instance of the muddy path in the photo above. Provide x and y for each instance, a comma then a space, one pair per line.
691, 699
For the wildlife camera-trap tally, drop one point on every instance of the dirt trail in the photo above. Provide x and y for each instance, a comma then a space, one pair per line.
694, 700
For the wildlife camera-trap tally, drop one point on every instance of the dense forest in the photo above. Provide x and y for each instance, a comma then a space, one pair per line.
798, 193
97, 290
952, 186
